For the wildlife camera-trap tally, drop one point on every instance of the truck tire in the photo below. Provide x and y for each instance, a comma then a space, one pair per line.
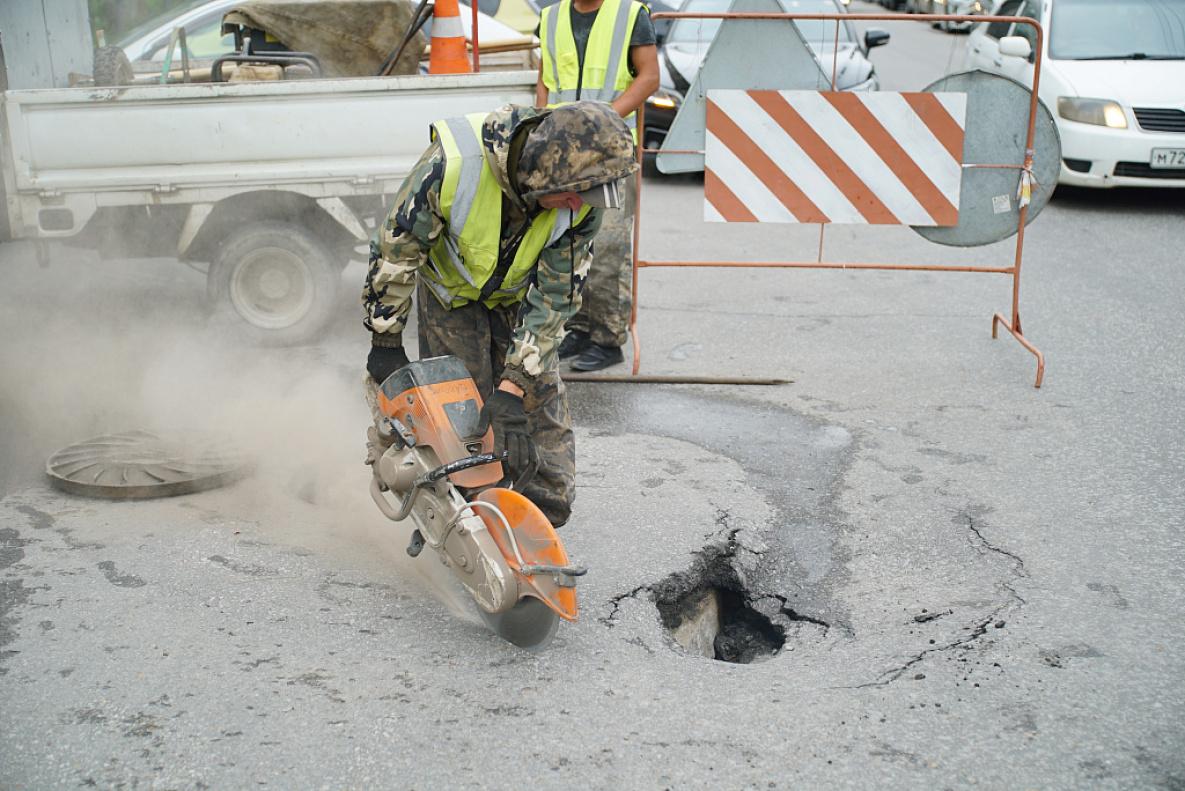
275, 283
112, 68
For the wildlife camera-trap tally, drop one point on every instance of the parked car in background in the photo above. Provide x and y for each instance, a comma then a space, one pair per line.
956, 7
661, 26
1113, 75
148, 42
688, 40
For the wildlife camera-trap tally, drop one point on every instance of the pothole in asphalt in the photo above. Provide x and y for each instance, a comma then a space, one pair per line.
711, 612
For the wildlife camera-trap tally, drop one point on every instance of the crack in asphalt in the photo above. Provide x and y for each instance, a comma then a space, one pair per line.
977, 631
797, 616
731, 545
610, 620
980, 627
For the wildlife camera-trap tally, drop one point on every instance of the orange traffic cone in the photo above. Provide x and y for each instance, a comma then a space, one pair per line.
448, 40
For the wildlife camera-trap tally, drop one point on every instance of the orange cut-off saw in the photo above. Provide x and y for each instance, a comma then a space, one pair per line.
445, 478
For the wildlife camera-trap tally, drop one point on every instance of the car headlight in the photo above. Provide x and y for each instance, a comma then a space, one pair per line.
664, 99
1100, 112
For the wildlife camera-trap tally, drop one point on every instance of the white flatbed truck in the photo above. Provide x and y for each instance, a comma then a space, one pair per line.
276, 185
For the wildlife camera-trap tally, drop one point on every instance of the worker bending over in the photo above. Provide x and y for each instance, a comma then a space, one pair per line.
492, 230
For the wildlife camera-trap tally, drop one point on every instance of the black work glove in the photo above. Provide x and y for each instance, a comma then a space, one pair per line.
384, 361
505, 412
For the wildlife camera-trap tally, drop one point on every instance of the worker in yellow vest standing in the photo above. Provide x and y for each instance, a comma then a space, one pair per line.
601, 50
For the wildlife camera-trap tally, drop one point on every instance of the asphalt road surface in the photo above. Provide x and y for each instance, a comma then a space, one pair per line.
943, 577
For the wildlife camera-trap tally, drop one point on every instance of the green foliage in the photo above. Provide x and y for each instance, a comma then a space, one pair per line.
100, 17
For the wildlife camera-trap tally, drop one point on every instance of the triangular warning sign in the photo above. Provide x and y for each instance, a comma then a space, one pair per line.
747, 54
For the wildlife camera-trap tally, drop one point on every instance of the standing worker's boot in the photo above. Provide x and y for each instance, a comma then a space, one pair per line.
596, 357
574, 343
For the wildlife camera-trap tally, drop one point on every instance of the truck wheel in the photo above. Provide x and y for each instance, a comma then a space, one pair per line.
278, 282
112, 68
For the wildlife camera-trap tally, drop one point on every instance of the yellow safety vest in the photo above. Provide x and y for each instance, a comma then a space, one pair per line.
606, 72
466, 255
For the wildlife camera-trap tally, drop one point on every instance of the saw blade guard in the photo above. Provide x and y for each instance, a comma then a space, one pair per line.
531, 548
438, 403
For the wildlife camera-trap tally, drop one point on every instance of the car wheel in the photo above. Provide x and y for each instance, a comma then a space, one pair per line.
274, 283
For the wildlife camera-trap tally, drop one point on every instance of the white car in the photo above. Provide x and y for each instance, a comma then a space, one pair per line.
1113, 75
202, 21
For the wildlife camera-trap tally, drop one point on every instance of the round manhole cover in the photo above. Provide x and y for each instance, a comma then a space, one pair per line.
141, 464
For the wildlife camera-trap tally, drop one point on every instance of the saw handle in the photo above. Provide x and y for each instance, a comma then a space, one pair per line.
433, 476
528, 474
390, 511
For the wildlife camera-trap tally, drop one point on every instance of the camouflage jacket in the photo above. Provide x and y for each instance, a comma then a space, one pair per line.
401, 245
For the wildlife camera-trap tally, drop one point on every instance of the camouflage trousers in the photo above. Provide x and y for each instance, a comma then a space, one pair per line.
607, 299
479, 337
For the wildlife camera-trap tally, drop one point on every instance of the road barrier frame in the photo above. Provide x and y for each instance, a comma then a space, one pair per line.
1011, 323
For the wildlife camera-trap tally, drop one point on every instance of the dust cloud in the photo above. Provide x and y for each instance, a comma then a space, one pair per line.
89, 347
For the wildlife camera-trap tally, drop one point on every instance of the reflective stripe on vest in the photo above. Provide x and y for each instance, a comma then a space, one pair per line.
466, 254
606, 72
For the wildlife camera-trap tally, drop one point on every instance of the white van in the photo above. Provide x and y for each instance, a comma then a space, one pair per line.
1113, 75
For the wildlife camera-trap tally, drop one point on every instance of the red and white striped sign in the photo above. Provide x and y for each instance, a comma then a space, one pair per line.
834, 157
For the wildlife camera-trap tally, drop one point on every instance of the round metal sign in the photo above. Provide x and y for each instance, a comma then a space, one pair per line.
140, 464
997, 127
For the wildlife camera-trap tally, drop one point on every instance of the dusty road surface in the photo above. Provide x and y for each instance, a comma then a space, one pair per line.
943, 576
938, 575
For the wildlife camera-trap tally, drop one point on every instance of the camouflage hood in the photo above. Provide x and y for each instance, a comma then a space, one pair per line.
569, 148
502, 136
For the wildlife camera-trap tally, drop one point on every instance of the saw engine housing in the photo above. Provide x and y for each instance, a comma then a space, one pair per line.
497, 542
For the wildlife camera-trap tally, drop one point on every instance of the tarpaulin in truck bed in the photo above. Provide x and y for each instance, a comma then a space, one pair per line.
352, 38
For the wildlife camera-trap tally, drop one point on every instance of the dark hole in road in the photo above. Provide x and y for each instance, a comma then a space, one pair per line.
709, 612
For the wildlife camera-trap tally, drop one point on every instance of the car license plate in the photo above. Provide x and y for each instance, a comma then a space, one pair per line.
1168, 158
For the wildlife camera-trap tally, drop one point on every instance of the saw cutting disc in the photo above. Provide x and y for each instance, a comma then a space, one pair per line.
530, 624
141, 464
